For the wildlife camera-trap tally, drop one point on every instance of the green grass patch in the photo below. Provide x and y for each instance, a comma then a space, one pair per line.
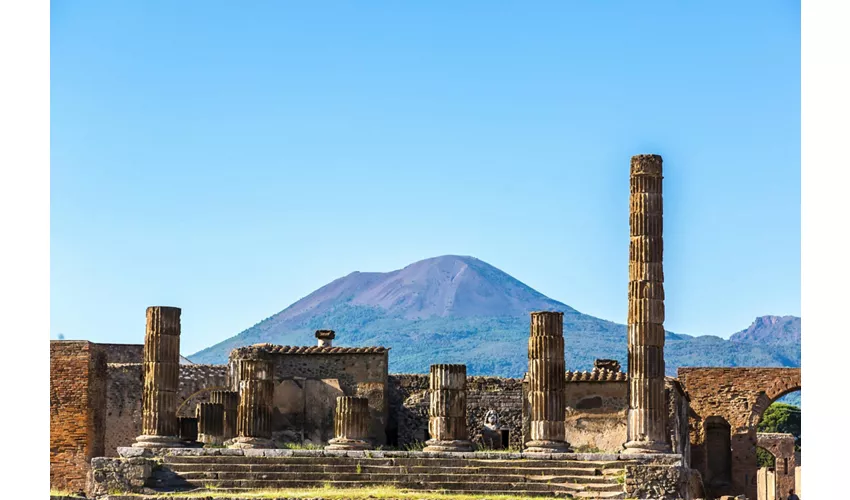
63, 493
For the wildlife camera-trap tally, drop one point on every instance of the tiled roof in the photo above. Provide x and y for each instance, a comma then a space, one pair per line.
597, 375
287, 349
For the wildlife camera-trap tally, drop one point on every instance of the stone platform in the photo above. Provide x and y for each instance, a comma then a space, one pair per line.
563, 475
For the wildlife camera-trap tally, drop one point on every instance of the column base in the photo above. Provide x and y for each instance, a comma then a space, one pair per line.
645, 447
546, 446
251, 442
210, 439
150, 441
348, 444
455, 446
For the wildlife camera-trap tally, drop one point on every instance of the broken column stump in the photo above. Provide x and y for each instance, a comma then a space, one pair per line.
547, 383
229, 401
161, 374
254, 414
351, 424
210, 423
447, 411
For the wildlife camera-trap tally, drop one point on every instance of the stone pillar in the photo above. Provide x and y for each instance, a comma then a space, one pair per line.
447, 412
547, 383
229, 400
210, 423
254, 414
351, 424
161, 373
188, 430
647, 420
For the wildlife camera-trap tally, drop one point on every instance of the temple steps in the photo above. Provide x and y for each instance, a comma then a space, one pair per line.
520, 477
385, 469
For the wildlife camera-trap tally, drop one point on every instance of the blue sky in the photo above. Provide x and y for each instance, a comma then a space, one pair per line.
230, 159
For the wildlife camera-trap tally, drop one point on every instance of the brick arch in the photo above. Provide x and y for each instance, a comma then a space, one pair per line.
185, 410
781, 386
740, 395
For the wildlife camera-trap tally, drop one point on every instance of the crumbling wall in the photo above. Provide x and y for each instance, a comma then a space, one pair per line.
409, 400
77, 399
738, 396
123, 405
314, 376
596, 412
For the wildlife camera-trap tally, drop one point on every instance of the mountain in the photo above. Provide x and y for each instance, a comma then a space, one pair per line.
458, 309
771, 329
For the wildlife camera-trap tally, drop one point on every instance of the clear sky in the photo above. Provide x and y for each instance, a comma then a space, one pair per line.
230, 158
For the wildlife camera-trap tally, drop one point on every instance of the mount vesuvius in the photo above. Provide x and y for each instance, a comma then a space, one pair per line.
458, 309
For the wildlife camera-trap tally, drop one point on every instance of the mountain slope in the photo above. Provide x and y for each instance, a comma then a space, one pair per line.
771, 329
455, 309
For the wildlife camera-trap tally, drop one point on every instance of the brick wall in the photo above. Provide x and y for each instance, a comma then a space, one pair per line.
77, 401
738, 397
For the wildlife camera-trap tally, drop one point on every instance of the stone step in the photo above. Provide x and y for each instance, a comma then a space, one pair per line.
236, 495
488, 485
432, 477
430, 462
183, 468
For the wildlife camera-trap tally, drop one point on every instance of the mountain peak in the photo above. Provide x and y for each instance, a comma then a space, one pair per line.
771, 329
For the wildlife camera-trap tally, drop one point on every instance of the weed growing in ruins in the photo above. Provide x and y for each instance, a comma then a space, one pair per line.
415, 446
359, 469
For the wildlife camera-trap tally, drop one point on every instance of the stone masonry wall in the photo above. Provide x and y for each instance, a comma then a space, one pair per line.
77, 398
308, 380
409, 400
124, 398
596, 414
739, 397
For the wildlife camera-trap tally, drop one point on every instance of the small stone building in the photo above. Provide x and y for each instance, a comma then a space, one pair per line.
307, 381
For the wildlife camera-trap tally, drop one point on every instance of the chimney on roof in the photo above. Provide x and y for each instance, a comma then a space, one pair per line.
325, 337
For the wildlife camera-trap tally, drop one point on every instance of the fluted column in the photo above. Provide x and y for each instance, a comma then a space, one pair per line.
254, 414
210, 423
447, 412
351, 424
161, 374
647, 420
229, 401
188, 430
547, 383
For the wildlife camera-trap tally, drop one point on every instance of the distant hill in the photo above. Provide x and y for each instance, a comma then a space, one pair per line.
771, 329
458, 309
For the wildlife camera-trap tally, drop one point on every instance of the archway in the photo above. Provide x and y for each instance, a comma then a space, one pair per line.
718, 448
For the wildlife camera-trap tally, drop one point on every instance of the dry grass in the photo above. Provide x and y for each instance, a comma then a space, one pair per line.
330, 493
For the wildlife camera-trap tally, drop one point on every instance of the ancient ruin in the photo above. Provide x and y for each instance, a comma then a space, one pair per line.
351, 424
162, 359
447, 414
118, 411
229, 401
210, 423
647, 423
254, 414
546, 383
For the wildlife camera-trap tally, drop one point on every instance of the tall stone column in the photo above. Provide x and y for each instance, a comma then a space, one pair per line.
254, 414
547, 383
229, 401
160, 428
647, 421
351, 424
447, 412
